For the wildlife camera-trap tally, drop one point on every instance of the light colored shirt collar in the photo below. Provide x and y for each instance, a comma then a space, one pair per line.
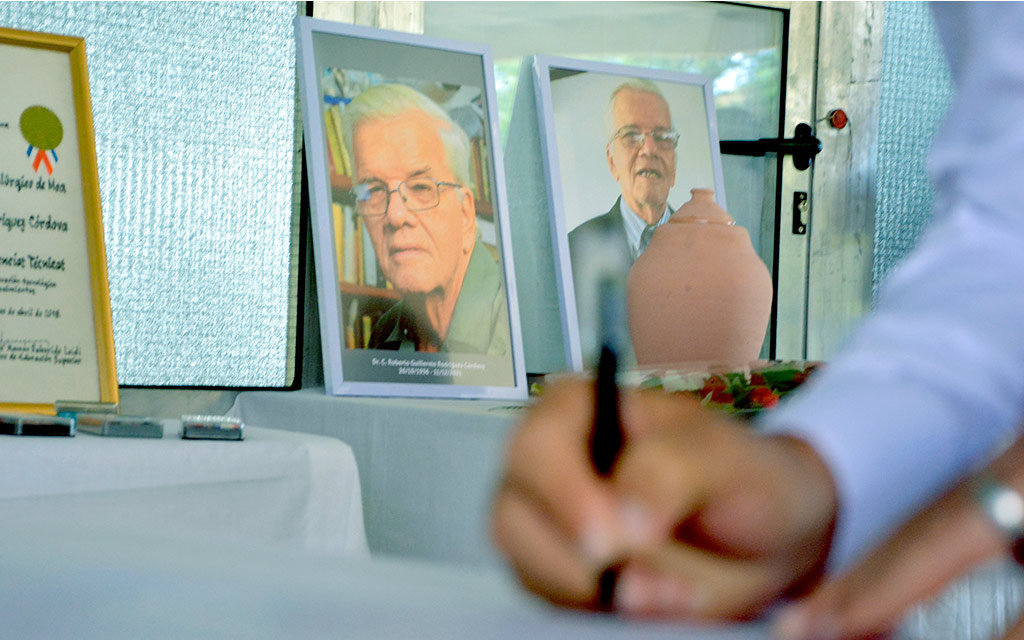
635, 225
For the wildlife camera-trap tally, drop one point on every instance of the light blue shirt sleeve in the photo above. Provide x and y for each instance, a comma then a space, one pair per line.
932, 384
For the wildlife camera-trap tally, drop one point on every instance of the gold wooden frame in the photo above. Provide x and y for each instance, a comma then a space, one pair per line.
104, 333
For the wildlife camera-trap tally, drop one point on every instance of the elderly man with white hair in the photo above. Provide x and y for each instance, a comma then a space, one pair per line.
411, 168
641, 153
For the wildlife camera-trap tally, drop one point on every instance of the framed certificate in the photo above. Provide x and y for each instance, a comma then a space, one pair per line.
413, 254
56, 337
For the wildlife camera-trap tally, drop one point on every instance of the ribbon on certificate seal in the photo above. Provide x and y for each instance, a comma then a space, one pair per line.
44, 132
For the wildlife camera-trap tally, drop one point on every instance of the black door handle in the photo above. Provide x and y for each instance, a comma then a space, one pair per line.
803, 146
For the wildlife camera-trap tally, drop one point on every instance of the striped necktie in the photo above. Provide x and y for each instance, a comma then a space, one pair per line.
645, 239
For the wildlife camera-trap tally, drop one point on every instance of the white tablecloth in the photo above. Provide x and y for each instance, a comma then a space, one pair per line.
428, 467
53, 586
285, 489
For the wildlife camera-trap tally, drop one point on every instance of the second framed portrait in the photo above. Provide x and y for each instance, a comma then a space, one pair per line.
623, 148
413, 255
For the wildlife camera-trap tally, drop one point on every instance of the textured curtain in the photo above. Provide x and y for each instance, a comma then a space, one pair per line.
194, 111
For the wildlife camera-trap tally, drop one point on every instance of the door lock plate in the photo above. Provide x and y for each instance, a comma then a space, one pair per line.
801, 211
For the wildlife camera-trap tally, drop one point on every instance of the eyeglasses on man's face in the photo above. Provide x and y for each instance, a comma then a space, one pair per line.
634, 137
418, 194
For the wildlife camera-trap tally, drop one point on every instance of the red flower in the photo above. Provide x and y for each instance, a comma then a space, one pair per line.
716, 386
721, 397
764, 397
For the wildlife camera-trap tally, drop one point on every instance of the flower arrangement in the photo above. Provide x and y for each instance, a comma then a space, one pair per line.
739, 393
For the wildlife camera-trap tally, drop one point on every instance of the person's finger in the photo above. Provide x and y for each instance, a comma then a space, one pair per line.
917, 563
748, 493
680, 580
547, 462
676, 472
752, 515
545, 561
664, 464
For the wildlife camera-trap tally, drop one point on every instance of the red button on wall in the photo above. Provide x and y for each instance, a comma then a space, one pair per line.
837, 118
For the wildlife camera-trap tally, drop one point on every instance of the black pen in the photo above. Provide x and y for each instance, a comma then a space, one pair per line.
607, 435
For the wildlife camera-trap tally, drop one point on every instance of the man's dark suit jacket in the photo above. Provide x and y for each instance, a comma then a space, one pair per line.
587, 237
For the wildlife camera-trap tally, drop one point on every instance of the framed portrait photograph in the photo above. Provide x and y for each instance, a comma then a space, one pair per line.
56, 335
413, 254
623, 147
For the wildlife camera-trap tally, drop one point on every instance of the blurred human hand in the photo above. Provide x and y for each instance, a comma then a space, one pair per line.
940, 543
706, 518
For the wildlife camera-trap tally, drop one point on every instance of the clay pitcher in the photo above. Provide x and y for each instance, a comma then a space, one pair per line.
699, 293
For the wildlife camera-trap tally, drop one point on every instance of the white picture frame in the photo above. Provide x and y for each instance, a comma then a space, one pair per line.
364, 316
572, 99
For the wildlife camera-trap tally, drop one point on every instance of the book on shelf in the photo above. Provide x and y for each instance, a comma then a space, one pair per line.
344, 219
371, 274
357, 252
357, 261
350, 315
486, 172
333, 150
476, 148
481, 176
367, 330
338, 212
336, 142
